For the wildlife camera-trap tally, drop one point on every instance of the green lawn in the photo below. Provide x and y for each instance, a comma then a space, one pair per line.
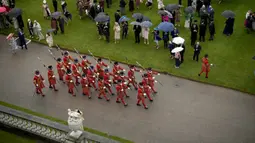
7, 137
232, 56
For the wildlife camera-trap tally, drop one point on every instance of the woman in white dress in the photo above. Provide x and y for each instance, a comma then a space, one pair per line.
46, 10
12, 43
49, 39
37, 30
146, 35
116, 30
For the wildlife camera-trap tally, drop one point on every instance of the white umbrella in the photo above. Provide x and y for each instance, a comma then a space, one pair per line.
178, 40
177, 49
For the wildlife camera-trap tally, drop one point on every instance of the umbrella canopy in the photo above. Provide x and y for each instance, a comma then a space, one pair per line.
178, 40
189, 9
2, 9
14, 12
101, 18
123, 18
137, 16
135, 23
172, 7
228, 14
166, 26
177, 49
56, 14
146, 24
162, 12
50, 30
145, 18
101, 13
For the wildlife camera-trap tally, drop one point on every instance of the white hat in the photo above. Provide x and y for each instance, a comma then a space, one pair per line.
28, 20
44, 1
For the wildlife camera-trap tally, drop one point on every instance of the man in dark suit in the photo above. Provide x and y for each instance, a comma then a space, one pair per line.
137, 29
202, 30
117, 16
22, 39
197, 49
124, 29
55, 5
194, 30
211, 30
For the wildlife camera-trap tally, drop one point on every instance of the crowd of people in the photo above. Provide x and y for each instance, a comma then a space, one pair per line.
73, 72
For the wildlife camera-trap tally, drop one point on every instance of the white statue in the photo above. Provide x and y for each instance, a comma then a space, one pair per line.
75, 122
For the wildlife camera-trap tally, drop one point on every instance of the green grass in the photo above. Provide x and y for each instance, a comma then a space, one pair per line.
7, 137
62, 122
232, 56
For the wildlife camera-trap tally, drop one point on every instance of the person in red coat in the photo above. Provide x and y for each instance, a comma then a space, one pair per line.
123, 77
99, 67
67, 60
85, 86
146, 86
85, 64
76, 72
91, 74
116, 70
38, 82
131, 76
124, 87
151, 77
140, 96
120, 93
61, 70
70, 83
101, 88
205, 66
151, 73
107, 81
51, 78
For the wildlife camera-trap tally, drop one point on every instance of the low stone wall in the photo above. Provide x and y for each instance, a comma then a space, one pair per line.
45, 128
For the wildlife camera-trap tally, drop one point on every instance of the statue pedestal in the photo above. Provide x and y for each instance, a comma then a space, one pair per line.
75, 134
74, 137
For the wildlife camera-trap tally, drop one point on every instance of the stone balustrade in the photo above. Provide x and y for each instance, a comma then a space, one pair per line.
45, 128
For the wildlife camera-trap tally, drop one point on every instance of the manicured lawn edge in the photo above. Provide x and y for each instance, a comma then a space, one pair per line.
161, 71
63, 122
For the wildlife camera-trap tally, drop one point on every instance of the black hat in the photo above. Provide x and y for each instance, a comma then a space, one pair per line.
195, 20
99, 59
91, 67
149, 68
83, 75
206, 55
37, 72
145, 75
65, 53
121, 73
59, 59
50, 67
131, 66
118, 10
76, 60
140, 83
84, 57
68, 71
119, 80
116, 63
106, 70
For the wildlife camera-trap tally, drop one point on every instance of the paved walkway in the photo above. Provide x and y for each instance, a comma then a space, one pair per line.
182, 112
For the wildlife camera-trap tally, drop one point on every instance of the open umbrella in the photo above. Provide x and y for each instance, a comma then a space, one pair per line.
172, 7
189, 9
135, 23
101, 18
2, 9
14, 12
228, 14
178, 40
56, 14
146, 24
177, 49
101, 13
145, 18
162, 12
166, 26
50, 30
137, 16
123, 18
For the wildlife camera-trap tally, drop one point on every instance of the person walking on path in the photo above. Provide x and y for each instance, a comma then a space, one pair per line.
116, 30
22, 39
38, 82
52, 78
49, 39
205, 66
197, 49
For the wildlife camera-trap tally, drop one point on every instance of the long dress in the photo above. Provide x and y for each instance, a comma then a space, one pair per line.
49, 40
131, 5
146, 33
13, 45
116, 32
46, 10
37, 30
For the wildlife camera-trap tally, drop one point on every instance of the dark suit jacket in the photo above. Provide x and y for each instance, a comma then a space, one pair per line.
197, 48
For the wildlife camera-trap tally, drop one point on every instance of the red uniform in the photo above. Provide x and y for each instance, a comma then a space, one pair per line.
140, 97
91, 78
205, 67
52, 79
100, 69
108, 82
70, 84
116, 70
147, 88
61, 71
151, 73
76, 73
131, 76
120, 94
85, 86
39, 85
124, 87
102, 88
84, 65
67, 62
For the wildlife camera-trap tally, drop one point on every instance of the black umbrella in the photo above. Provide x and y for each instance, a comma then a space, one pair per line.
189, 9
145, 18
14, 12
56, 14
172, 7
101, 18
228, 14
253, 58
137, 16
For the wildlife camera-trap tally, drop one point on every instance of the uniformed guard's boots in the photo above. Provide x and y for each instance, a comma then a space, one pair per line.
89, 97
117, 101
151, 100
138, 104
113, 94
125, 104
146, 107
136, 88
50, 87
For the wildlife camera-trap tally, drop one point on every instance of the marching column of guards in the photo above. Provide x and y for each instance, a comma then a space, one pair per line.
100, 79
